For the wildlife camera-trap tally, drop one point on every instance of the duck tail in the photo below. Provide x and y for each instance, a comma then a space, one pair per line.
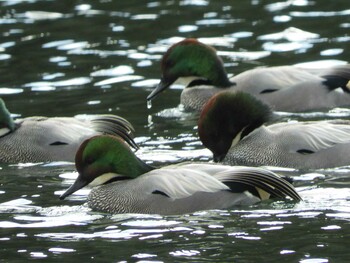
259, 182
338, 77
115, 125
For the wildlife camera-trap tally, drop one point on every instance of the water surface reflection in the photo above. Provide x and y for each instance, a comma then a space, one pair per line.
62, 58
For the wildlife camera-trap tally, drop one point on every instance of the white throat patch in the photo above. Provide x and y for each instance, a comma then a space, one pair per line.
103, 179
237, 138
4, 131
185, 81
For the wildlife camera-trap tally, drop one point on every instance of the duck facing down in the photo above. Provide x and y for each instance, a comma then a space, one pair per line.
43, 139
232, 126
125, 184
284, 88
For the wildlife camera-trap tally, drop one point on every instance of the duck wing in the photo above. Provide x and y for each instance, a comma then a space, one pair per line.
338, 77
180, 181
38, 139
312, 136
272, 79
73, 130
261, 179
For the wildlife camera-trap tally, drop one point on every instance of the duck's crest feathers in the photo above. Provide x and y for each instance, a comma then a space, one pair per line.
115, 125
338, 77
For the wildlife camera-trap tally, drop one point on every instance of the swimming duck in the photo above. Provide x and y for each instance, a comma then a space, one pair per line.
42, 139
125, 184
232, 126
284, 88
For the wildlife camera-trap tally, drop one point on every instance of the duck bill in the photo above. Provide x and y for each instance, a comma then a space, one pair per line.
163, 84
78, 184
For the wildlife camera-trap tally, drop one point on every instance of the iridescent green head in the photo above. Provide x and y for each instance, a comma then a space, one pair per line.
103, 159
191, 58
227, 117
6, 120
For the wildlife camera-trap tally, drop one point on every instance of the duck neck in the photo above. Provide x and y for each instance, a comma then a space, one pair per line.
206, 64
251, 128
6, 121
218, 75
223, 84
142, 167
133, 167
222, 81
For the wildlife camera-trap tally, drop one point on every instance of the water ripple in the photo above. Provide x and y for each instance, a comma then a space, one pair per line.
103, 56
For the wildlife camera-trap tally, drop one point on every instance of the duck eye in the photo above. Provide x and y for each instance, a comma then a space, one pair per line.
89, 160
215, 135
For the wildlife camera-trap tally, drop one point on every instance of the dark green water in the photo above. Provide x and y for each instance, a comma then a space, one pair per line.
62, 58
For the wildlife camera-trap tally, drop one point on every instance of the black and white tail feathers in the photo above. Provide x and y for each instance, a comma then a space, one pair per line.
255, 179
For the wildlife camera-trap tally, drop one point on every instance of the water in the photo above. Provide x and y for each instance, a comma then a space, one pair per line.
62, 58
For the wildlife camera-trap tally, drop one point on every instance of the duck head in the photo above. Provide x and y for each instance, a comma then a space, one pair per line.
6, 122
103, 159
227, 118
194, 60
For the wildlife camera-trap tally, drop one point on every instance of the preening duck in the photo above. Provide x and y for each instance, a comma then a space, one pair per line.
232, 126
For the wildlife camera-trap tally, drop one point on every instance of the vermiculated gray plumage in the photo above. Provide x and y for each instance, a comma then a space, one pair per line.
187, 188
42, 139
304, 145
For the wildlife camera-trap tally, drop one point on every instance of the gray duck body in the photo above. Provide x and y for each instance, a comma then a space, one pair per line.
283, 88
183, 188
305, 145
42, 139
122, 183
131, 199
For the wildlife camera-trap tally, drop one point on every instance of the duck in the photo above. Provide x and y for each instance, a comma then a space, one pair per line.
236, 127
285, 88
48, 139
123, 183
